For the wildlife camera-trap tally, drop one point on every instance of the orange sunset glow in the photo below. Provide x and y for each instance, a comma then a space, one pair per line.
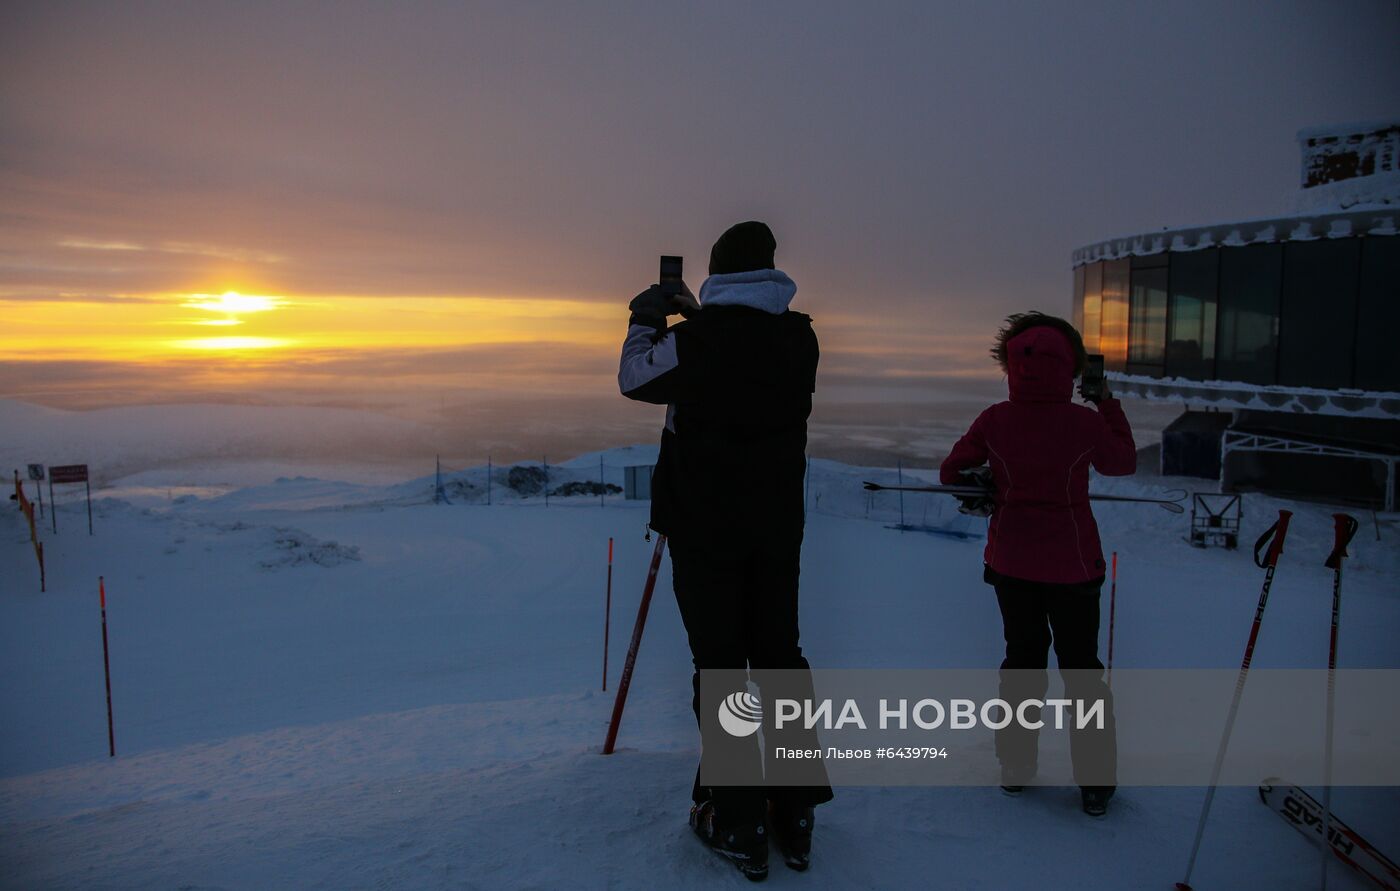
384, 210
250, 334
158, 327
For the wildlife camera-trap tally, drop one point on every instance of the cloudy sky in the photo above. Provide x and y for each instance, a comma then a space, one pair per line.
460, 198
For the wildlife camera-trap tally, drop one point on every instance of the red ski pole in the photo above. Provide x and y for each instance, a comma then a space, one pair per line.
636, 644
1274, 539
1112, 602
1345, 528
106, 667
607, 616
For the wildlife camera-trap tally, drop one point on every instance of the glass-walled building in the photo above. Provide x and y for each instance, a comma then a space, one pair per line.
1277, 335
1320, 313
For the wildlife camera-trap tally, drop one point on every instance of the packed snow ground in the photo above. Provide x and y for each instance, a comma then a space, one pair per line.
324, 684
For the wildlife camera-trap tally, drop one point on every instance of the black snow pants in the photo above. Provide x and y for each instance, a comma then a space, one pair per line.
739, 606
1035, 616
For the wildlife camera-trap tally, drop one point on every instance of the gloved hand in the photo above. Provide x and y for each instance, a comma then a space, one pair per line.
977, 505
685, 302
1095, 396
652, 306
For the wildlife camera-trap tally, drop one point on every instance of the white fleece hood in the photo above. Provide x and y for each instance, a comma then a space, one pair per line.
767, 289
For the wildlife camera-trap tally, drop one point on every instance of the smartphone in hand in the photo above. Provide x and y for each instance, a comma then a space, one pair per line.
1091, 386
670, 278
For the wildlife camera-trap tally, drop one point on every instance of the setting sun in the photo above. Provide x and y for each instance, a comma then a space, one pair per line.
231, 343
233, 302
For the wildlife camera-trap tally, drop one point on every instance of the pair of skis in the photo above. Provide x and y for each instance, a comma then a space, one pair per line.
1172, 504
1303, 813
1312, 819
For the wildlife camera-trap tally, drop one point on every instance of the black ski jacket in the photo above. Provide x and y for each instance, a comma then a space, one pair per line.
737, 379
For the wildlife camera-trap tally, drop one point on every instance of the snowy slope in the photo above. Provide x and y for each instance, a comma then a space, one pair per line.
332, 685
238, 444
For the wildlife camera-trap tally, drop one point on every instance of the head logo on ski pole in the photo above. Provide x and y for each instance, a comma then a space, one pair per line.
1273, 540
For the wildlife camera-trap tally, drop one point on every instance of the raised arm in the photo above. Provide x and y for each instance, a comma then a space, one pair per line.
1115, 453
647, 372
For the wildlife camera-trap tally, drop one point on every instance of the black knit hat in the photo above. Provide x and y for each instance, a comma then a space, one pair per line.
743, 247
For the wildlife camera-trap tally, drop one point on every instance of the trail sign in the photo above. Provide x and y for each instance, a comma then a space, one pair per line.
36, 474
70, 473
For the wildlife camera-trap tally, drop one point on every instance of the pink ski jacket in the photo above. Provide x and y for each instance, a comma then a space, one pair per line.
1040, 447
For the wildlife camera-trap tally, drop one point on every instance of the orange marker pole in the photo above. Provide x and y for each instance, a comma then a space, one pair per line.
1112, 602
607, 616
106, 667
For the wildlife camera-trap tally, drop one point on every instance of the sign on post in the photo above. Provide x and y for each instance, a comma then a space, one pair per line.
36, 474
70, 473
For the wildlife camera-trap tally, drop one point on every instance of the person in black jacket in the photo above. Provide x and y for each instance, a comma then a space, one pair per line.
737, 377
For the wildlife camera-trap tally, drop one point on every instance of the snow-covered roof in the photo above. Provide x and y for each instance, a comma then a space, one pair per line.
1273, 398
1350, 186
1328, 131
1383, 220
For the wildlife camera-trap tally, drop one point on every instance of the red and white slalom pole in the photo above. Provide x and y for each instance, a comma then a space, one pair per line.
607, 616
106, 667
1112, 603
1274, 539
1346, 526
636, 644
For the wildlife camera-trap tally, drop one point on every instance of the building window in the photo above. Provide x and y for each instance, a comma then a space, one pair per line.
1191, 315
1113, 315
1247, 339
1378, 315
1093, 292
1317, 317
1076, 302
1147, 315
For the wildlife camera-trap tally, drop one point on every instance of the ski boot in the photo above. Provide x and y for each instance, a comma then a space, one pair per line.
1095, 799
746, 848
1015, 777
792, 830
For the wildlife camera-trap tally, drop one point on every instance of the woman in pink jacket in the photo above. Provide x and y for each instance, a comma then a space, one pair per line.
1043, 555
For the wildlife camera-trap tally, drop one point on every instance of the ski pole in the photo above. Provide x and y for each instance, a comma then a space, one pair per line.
1112, 603
632, 648
1171, 505
1274, 539
607, 616
899, 467
106, 667
1345, 528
